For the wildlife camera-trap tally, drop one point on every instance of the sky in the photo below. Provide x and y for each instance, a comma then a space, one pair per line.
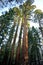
36, 25
39, 4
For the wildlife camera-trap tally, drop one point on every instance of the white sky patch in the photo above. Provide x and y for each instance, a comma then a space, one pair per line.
39, 4
36, 25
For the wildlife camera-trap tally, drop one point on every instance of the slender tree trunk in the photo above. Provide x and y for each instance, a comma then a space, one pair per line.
25, 42
18, 60
12, 50
18, 55
41, 30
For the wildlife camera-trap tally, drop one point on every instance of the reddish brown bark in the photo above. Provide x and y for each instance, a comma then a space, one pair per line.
25, 42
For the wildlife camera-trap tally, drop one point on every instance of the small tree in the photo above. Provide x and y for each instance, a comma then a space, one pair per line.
38, 15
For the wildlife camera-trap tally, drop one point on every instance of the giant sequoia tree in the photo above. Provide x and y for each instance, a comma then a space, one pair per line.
24, 12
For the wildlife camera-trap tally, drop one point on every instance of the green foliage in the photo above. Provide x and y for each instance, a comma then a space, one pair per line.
2, 52
6, 30
33, 36
34, 45
38, 15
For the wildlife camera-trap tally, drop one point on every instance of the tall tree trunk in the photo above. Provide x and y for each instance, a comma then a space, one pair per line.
40, 28
25, 42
